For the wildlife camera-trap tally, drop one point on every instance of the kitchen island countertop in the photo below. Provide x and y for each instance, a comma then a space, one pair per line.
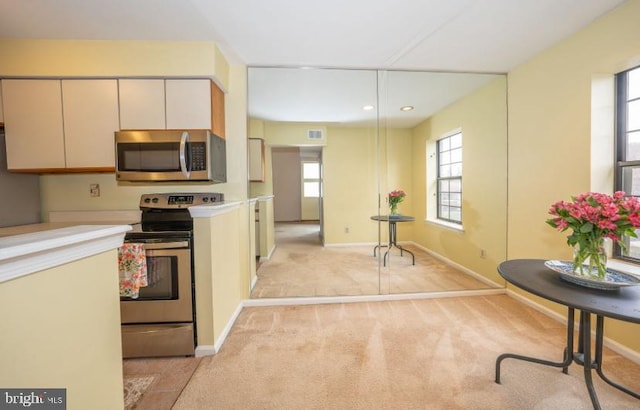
30, 248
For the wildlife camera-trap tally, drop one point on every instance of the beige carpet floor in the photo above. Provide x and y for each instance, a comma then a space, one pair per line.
410, 354
301, 266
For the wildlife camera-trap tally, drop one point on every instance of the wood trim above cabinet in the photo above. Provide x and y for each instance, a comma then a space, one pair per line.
217, 111
63, 170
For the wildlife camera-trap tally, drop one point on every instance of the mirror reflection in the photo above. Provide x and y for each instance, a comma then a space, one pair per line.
334, 144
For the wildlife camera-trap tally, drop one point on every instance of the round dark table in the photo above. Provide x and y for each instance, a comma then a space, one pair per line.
393, 219
622, 304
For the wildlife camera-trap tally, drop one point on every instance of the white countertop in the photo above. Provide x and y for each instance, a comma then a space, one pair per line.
31, 248
208, 211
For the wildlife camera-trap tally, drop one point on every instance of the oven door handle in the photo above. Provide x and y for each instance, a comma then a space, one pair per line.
165, 245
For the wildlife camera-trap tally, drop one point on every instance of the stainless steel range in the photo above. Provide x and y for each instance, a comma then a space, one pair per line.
161, 321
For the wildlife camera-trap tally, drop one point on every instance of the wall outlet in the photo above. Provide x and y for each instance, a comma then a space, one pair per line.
94, 190
483, 253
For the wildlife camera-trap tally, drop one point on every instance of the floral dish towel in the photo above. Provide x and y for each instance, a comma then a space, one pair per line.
132, 267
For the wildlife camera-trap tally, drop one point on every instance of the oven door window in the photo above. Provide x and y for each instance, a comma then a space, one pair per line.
162, 278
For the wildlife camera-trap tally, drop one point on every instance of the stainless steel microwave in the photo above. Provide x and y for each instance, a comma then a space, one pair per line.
170, 155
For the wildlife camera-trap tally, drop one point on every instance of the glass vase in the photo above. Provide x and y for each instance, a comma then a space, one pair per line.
394, 209
590, 258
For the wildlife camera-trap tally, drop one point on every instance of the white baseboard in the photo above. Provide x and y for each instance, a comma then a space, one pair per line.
451, 263
318, 300
611, 344
225, 332
210, 350
268, 257
205, 350
346, 245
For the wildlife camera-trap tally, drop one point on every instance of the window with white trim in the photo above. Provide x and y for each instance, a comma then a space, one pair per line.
449, 178
627, 114
311, 179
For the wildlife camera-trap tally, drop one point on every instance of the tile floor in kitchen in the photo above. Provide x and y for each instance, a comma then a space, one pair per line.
170, 376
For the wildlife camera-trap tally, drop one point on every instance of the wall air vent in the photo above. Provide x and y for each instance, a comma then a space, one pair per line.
315, 134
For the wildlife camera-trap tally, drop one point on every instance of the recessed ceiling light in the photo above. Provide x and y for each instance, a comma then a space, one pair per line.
367, 107
406, 108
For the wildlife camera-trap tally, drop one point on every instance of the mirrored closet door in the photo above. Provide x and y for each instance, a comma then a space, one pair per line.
335, 143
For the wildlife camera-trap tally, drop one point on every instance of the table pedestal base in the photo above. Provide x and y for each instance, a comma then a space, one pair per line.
393, 244
582, 356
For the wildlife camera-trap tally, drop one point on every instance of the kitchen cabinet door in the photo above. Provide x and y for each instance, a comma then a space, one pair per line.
33, 124
90, 120
142, 104
188, 104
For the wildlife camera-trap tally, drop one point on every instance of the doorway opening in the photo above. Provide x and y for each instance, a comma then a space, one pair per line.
297, 190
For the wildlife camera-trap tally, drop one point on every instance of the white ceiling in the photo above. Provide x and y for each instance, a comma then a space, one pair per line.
439, 35
338, 96
481, 36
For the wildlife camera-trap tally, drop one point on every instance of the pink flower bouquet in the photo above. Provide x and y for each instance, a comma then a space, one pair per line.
592, 217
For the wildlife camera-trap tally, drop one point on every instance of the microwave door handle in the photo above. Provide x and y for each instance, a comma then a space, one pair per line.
184, 140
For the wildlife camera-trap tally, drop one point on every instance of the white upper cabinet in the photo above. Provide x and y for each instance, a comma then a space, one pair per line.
90, 121
60, 125
165, 104
33, 124
68, 125
188, 104
142, 104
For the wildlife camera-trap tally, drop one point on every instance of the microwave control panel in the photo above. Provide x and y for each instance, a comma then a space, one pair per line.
198, 156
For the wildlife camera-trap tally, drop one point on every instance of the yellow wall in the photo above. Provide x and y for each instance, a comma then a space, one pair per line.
94, 58
292, 134
221, 275
351, 175
550, 135
203, 244
230, 279
396, 154
482, 117
61, 329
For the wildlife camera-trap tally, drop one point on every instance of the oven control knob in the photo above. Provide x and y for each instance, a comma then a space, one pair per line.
154, 200
147, 200
205, 199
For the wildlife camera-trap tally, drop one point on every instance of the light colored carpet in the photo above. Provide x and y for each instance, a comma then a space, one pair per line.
411, 354
134, 388
301, 266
